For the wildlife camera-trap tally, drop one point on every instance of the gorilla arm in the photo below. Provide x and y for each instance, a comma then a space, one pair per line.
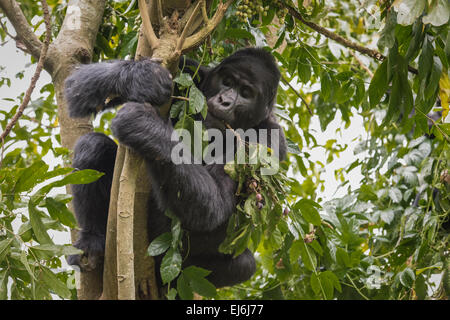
90, 85
201, 196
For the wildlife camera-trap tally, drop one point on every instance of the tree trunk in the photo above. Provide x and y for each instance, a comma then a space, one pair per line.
74, 45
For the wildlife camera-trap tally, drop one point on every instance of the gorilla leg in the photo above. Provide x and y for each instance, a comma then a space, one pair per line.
226, 271
91, 201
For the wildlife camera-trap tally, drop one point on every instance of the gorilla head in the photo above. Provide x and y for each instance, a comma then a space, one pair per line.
241, 90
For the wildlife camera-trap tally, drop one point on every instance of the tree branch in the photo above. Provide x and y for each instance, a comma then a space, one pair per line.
194, 40
341, 40
160, 13
24, 32
34, 79
204, 12
363, 66
125, 217
152, 39
286, 81
183, 36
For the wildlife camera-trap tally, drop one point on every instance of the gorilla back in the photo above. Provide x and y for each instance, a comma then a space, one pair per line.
240, 93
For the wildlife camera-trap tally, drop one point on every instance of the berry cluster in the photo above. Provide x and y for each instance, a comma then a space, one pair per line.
247, 9
281, 11
254, 187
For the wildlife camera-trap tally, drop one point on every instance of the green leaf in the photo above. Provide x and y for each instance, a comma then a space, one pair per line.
54, 284
30, 176
304, 69
78, 177
395, 195
315, 284
333, 279
387, 36
438, 14
170, 265
40, 231
379, 84
198, 283
197, 101
326, 85
230, 169
420, 287
292, 147
176, 109
160, 244
4, 284
407, 278
59, 211
308, 257
234, 33
416, 41
327, 285
184, 290
342, 258
387, 215
128, 44
366, 193
433, 82
184, 80
24, 260
309, 212
57, 250
195, 272
408, 10
172, 294
4, 247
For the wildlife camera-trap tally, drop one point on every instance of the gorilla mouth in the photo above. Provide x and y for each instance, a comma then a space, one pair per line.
214, 121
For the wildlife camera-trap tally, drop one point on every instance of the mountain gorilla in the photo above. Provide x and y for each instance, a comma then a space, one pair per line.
240, 92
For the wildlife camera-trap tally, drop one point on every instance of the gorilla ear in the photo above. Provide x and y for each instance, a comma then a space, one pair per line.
189, 66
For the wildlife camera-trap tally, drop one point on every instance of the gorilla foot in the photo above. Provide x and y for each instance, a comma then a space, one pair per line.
85, 262
93, 246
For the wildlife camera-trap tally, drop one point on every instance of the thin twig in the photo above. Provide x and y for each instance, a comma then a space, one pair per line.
286, 81
188, 25
35, 77
6, 31
150, 35
25, 36
159, 9
358, 290
197, 38
435, 124
180, 98
345, 42
204, 12
362, 64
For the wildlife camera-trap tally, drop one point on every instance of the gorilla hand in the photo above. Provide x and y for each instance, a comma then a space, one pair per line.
140, 81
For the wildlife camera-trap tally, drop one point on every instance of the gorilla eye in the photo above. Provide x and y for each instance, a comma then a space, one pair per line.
247, 92
227, 81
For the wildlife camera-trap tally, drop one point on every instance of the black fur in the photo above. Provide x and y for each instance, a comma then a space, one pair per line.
201, 196
140, 81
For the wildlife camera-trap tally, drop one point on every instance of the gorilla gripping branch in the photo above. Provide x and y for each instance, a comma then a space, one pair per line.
176, 36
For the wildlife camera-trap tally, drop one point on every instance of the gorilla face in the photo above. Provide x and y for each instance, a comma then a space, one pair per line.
240, 91
235, 99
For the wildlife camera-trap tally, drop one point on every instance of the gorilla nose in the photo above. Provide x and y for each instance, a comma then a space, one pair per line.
224, 102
